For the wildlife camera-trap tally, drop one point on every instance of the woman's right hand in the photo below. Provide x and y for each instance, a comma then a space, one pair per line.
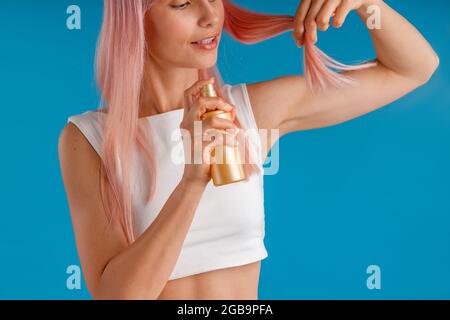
200, 140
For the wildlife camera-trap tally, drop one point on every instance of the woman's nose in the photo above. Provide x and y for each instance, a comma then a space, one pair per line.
209, 16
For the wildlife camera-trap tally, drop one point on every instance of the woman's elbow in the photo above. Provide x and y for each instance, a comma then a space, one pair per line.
429, 68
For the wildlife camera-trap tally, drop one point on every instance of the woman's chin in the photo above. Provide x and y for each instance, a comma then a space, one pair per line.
205, 64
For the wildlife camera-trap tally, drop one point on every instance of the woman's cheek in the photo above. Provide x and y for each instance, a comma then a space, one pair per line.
179, 32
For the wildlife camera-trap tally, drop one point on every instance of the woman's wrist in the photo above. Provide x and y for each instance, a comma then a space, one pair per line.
193, 184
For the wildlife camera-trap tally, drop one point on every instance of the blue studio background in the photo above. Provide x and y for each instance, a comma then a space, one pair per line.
371, 191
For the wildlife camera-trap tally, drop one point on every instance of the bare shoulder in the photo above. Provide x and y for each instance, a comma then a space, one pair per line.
79, 162
74, 149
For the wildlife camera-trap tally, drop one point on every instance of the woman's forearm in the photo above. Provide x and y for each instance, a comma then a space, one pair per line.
143, 269
398, 44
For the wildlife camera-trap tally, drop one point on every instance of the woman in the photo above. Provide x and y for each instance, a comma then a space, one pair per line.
156, 228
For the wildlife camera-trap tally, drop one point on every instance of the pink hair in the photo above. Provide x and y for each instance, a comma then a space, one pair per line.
120, 60
250, 27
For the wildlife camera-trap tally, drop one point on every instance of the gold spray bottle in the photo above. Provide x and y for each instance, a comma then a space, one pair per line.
230, 169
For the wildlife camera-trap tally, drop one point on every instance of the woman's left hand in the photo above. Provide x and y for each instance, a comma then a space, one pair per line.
316, 14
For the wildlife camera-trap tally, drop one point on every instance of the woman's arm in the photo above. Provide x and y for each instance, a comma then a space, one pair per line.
400, 48
142, 270
111, 269
405, 61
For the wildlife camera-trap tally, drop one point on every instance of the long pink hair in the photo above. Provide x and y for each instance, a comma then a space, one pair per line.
120, 59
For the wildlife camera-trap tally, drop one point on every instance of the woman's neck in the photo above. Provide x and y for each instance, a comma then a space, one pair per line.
163, 89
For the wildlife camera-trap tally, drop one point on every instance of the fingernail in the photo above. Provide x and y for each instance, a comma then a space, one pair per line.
298, 43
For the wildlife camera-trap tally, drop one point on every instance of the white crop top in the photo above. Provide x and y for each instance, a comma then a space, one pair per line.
228, 227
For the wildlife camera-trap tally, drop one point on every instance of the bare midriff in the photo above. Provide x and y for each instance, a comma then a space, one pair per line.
240, 283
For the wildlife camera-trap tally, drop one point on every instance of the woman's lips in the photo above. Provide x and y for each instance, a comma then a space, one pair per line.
206, 46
